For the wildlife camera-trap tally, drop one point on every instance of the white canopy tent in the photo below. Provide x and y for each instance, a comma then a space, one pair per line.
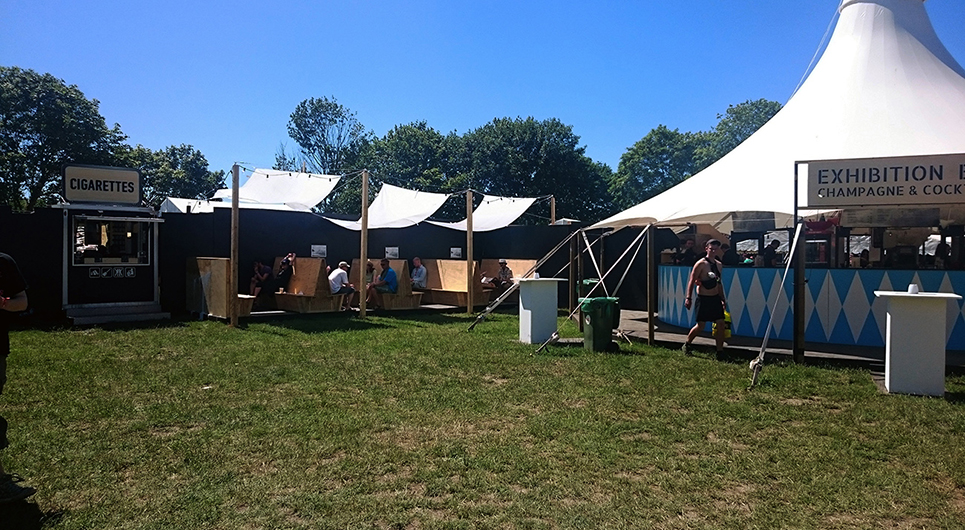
300, 191
885, 86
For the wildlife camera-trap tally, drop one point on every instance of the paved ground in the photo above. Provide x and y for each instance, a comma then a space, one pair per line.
635, 325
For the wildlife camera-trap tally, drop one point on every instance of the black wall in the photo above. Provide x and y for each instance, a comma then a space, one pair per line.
266, 234
35, 240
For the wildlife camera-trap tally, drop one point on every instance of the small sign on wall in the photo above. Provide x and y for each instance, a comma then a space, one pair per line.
392, 252
455, 252
319, 251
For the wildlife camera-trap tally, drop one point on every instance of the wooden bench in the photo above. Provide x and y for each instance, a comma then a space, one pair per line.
404, 297
308, 289
446, 283
207, 288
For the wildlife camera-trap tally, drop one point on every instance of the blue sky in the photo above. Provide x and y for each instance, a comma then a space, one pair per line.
224, 76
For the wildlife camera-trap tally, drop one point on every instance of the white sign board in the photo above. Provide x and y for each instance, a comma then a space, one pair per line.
896, 181
319, 251
392, 252
108, 185
455, 252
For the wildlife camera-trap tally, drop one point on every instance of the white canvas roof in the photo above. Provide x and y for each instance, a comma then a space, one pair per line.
179, 205
492, 213
300, 191
885, 86
396, 207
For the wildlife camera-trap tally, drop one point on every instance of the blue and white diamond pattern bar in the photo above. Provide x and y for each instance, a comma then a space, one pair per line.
841, 307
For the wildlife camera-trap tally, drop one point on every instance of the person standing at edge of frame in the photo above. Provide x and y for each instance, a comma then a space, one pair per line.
13, 299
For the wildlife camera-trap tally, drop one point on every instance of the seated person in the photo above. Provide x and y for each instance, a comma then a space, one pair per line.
285, 272
504, 277
260, 279
387, 282
686, 257
419, 275
338, 281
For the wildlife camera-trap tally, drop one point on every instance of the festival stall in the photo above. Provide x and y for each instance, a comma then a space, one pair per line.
110, 258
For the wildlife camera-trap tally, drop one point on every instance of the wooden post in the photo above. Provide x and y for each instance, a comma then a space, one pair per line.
470, 277
363, 251
233, 283
552, 210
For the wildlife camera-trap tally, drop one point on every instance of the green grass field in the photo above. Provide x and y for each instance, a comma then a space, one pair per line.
408, 421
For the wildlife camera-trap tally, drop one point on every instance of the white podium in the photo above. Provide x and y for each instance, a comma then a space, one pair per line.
915, 342
537, 309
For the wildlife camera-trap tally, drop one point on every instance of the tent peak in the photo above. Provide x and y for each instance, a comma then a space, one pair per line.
846, 3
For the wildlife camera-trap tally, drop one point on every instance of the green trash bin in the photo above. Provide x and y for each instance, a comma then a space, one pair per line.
598, 322
586, 285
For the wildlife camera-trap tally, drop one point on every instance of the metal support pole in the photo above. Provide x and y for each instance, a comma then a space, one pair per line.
797, 350
572, 275
651, 281
233, 282
579, 276
364, 242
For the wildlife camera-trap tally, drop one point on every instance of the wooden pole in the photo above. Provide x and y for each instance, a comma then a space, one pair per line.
651, 281
552, 210
233, 283
470, 276
363, 251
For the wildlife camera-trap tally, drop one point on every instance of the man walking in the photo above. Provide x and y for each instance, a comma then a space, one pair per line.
710, 296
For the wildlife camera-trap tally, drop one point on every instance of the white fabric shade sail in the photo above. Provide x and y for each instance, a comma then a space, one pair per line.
300, 191
885, 86
396, 207
179, 205
493, 213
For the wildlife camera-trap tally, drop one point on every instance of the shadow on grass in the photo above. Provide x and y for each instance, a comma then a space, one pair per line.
26, 516
349, 321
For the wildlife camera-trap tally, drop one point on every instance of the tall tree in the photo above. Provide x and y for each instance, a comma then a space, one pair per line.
526, 158
737, 124
44, 124
660, 160
329, 136
175, 171
664, 158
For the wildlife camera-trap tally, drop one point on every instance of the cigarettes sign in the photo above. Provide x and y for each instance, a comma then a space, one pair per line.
110, 185
899, 181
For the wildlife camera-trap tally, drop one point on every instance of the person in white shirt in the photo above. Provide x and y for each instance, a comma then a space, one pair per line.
338, 280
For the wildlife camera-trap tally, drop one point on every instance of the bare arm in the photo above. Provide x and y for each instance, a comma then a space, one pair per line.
15, 303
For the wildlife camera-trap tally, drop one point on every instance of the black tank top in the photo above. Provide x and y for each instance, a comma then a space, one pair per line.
711, 283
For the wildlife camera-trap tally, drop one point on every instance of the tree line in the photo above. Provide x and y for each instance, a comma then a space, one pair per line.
45, 123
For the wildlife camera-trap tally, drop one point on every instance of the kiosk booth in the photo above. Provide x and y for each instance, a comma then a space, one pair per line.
110, 271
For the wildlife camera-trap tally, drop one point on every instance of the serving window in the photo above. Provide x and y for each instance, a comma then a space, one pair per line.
105, 240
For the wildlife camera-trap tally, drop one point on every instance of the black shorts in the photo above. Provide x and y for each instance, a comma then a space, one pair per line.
709, 308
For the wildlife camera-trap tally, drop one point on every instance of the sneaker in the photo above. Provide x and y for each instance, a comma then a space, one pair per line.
10, 491
687, 349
